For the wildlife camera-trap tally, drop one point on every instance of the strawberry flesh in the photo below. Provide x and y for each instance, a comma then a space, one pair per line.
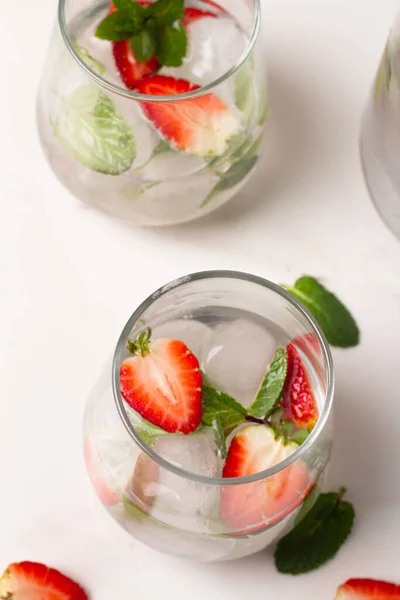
254, 449
368, 589
164, 386
34, 581
201, 126
103, 491
298, 400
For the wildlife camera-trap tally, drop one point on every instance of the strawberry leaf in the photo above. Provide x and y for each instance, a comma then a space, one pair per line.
165, 12
219, 436
116, 27
335, 320
318, 537
217, 404
143, 45
271, 387
171, 45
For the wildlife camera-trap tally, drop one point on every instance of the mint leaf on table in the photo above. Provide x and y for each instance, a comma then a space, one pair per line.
172, 45
271, 387
335, 320
318, 536
92, 130
307, 504
117, 27
221, 406
143, 45
219, 436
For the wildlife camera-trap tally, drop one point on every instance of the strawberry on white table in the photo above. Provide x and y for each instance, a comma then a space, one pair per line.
368, 589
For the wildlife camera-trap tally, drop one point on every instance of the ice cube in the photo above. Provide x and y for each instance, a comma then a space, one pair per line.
238, 358
181, 501
170, 164
215, 45
194, 334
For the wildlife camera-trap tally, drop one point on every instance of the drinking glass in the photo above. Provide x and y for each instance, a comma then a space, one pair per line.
380, 134
103, 146
175, 509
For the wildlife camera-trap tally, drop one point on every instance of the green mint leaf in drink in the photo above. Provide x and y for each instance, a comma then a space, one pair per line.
299, 436
143, 45
271, 387
245, 95
165, 12
335, 320
219, 436
171, 44
118, 26
88, 59
318, 537
129, 7
91, 129
217, 404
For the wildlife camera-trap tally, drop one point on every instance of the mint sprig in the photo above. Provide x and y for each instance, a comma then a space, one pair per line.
271, 387
154, 30
219, 436
335, 320
221, 406
318, 537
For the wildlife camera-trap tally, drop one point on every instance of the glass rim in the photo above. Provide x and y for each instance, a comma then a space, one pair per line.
223, 274
131, 94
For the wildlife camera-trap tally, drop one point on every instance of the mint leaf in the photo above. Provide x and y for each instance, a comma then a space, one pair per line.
149, 433
143, 45
263, 107
88, 59
335, 320
236, 172
244, 89
300, 436
318, 537
171, 44
219, 436
117, 26
91, 130
129, 7
166, 12
271, 387
218, 405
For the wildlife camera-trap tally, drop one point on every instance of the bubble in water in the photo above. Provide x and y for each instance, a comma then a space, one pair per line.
238, 358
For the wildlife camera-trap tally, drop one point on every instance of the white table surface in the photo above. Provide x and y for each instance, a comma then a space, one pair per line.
71, 277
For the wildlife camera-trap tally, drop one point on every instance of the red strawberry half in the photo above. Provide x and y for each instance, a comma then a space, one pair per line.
103, 491
298, 399
254, 449
34, 581
368, 589
162, 382
202, 126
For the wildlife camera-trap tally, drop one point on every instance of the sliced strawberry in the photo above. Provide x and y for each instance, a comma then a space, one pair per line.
254, 449
298, 399
162, 382
103, 491
194, 14
130, 69
141, 488
34, 581
201, 126
370, 589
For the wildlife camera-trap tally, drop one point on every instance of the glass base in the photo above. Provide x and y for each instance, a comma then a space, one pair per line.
381, 185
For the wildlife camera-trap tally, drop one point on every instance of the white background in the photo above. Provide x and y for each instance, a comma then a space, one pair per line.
71, 277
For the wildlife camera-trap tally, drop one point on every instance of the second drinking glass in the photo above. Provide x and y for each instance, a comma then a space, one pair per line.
164, 139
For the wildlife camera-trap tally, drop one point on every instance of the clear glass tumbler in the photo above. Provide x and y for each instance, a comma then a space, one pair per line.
380, 134
170, 507
169, 147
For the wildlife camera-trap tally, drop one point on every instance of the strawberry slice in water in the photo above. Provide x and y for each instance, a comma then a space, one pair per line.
298, 400
255, 449
34, 581
201, 126
162, 382
368, 589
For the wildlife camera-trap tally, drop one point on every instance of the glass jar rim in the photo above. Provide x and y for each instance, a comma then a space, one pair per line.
203, 479
131, 94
